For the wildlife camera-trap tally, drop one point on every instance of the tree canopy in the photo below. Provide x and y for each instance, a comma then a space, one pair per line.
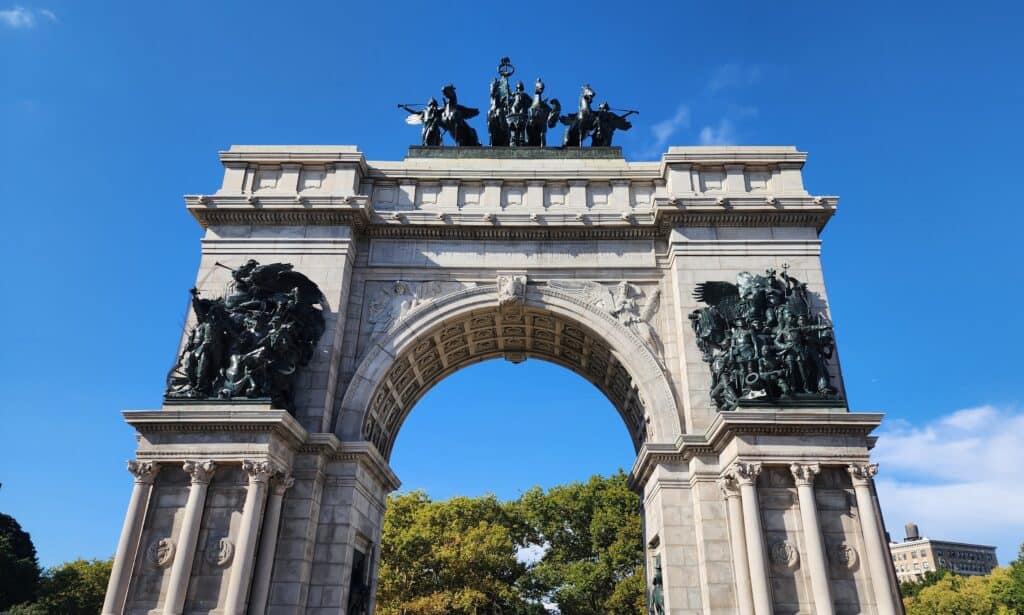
462, 556
19, 566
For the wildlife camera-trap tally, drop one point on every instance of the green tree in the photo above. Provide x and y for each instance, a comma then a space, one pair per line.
910, 589
1008, 587
594, 559
956, 595
19, 566
456, 557
75, 588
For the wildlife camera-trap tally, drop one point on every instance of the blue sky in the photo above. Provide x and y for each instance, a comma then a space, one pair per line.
911, 112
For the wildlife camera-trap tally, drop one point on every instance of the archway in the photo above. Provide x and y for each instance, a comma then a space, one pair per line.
468, 326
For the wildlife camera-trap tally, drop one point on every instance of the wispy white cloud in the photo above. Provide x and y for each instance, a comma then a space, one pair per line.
729, 76
724, 133
958, 477
22, 18
664, 130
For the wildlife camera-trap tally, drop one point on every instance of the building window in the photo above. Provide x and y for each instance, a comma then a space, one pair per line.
927, 566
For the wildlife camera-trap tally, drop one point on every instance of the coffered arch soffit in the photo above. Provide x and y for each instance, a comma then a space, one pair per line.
466, 327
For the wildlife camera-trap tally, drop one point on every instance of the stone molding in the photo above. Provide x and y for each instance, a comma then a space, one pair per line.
772, 422
207, 417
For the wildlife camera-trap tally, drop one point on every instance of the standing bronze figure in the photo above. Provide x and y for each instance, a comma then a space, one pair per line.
430, 118
606, 123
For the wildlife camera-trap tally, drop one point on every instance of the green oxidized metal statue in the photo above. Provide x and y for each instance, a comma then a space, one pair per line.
761, 341
251, 343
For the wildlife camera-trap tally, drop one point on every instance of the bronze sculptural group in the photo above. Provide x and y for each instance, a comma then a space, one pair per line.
515, 119
761, 341
251, 343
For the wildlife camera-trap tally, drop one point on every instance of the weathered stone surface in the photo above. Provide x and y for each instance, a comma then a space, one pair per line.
452, 256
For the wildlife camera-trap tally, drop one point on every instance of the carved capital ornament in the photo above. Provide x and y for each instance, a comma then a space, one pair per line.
200, 471
144, 471
745, 473
804, 473
862, 473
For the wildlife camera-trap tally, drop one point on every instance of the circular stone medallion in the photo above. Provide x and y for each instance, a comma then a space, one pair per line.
219, 551
160, 552
784, 554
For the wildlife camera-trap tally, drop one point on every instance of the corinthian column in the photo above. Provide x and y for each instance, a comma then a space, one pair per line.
245, 550
803, 475
870, 528
181, 568
741, 567
268, 545
128, 544
746, 475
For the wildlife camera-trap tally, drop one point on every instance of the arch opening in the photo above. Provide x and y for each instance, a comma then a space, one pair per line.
492, 333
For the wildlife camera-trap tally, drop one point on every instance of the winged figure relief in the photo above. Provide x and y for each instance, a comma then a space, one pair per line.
623, 301
761, 339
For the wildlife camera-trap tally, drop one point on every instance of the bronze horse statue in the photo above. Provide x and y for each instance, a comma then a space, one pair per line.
580, 125
541, 116
497, 124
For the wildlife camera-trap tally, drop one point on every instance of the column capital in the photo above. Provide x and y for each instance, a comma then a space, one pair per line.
729, 487
804, 473
745, 473
200, 471
283, 481
259, 471
144, 471
862, 473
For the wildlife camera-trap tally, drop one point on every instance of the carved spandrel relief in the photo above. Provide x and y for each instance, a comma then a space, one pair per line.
633, 306
390, 302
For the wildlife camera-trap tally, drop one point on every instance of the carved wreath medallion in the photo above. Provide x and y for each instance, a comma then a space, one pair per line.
843, 556
160, 552
219, 551
784, 554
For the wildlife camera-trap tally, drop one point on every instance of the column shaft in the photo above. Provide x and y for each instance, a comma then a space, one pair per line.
738, 543
131, 532
871, 530
181, 567
816, 564
746, 474
245, 549
268, 547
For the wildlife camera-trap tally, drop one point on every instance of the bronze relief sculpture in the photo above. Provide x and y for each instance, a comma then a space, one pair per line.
762, 341
251, 343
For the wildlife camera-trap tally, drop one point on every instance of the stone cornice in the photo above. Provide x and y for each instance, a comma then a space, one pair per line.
563, 224
207, 419
305, 154
365, 453
780, 422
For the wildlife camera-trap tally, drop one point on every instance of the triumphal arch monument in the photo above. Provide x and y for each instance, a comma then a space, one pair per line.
333, 292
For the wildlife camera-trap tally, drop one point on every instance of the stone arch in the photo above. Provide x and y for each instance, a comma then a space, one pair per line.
468, 326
